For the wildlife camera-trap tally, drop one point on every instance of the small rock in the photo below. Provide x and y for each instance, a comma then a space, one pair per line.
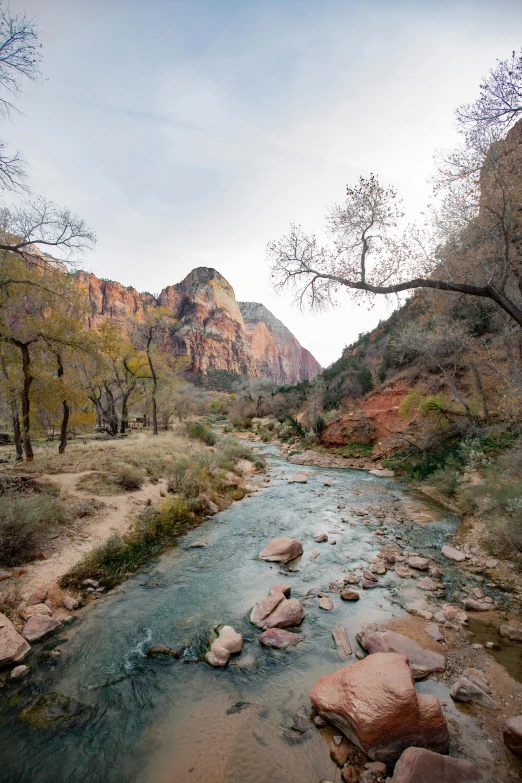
39, 625
5, 574
321, 537
162, 649
376, 766
31, 611
314, 556
90, 583
453, 554
328, 483
38, 597
332, 541
342, 641
350, 595
471, 605
326, 603
70, 603
340, 753
367, 585
512, 735
404, 572
352, 580
418, 563
279, 638
512, 630
349, 774
434, 631
371, 577
19, 671
198, 545
424, 613
281, 550
465, 690
281, 588
478, 677
378, 568
299, 478
427, 584
492, 563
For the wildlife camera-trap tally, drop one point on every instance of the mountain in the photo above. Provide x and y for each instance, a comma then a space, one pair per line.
212, 329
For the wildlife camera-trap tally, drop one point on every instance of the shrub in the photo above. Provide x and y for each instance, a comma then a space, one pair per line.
446, 480
187, 477
129, 477
199, 431
25, 524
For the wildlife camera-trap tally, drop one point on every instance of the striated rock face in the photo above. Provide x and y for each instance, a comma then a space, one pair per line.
277, 353
212, 330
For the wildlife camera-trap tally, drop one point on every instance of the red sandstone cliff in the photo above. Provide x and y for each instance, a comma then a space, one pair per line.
210, 329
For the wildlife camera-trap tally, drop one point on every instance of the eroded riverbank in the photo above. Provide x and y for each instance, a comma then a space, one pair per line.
154, 720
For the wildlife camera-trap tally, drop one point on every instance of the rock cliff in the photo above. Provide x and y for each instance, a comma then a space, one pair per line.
211, 328
277, 353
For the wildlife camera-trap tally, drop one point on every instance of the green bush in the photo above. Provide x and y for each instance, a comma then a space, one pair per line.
129, 477
199, 431
446, 480
25, 524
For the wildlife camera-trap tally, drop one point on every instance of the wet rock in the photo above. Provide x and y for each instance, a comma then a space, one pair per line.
211, 506
56, 709
19, 671
321, 537
332, 541
371, 577
418, 563
378, 568
277, 611
70, 603
512, 630
281, 550
382, 472
38, 596
349, 774
350, 595
281, 588
453, 554
314, 556
427, 584
367, 585
198, 545
404, 572
320, 722
478, 677
352, 580
326, 603
30, 611
228, 641
342, 641
279, 638
434, 631
340, 752
424, 613
374, 703
421, 662
328, 483
512, 735
162, 649
418, 764
452, 614
299, 478
465, 690
39, 625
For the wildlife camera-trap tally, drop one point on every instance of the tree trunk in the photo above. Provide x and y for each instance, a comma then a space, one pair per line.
480, 389
154, 390
17, 432
65, 407
26, 403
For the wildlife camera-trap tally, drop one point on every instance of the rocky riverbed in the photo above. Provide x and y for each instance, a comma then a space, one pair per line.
370, 581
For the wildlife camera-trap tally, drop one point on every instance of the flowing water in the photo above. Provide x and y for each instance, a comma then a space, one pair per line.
180, 721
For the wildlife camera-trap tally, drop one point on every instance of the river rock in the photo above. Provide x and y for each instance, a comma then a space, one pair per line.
424, 613
39, 625
277, 611
342, 641
512, 630
30, 611
299, 478
162, 649
70, 603
321, 537
38, 596
418, 765
453, 554
281, 588
13, 647
19, 671
512, 734
434, 631
5, 574
378, 568
328, 483
452, 614
478, 677
228, 641
374, 703
314, 556
326, 603
427, 584
281, 550
404, 572
279, 638
91, 583
471, 605
492, 563
368, 575
350, 595
466, 690
340, 751
418, 563
366, 584
351, 579
422, 662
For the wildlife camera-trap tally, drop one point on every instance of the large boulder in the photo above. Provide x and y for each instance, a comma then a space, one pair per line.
512, 630
279, 638
39, 625
453, 554
418, 765
13, 647
276, 611
421, 662
512, 734
30, 611
374, 703
281, 550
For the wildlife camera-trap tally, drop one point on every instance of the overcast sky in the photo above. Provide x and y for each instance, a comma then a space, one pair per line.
192, 133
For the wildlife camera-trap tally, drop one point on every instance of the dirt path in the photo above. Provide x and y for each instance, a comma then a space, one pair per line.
87, 532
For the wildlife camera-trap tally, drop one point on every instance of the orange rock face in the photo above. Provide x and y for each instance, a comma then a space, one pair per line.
210, 328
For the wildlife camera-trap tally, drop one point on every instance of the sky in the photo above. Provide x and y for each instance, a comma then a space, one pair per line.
193, 132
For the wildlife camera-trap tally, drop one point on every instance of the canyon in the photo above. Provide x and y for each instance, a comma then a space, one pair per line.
209, 327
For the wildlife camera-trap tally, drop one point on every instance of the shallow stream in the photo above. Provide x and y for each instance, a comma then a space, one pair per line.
180, 721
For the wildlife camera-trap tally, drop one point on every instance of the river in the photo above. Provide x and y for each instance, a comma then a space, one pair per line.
180, 721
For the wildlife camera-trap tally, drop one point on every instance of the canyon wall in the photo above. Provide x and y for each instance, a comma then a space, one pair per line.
209, 326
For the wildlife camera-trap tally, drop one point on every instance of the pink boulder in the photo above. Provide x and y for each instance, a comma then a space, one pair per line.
513, 735
13, 647
421, 662
39, 625
277, 611
30, 611
281, 550
374, 703
418, 764
279, 638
